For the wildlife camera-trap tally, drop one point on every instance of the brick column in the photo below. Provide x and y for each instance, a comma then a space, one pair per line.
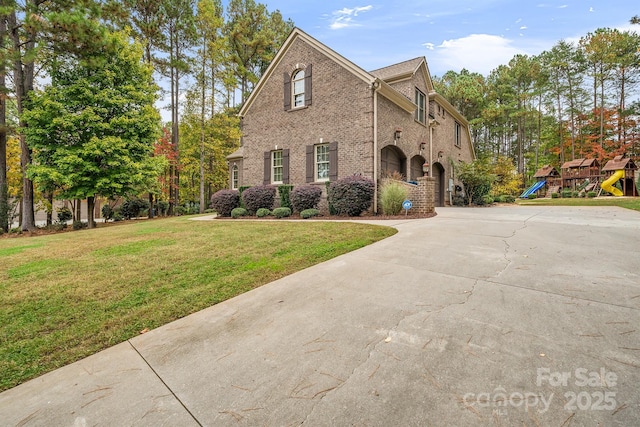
422, 196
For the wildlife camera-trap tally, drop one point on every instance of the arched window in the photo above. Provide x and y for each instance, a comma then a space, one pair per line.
298, 88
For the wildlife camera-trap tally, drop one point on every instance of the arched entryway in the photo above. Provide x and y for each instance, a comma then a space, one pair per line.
438, 174
415, 170
392, 159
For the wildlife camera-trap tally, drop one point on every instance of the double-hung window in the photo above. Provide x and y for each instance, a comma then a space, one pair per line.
322, 162
276, 167
421, 103
234, 177
457, 135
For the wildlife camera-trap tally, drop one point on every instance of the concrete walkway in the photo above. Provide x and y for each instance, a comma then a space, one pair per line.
501, 316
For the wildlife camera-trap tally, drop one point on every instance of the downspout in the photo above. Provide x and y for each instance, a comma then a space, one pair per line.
375, 85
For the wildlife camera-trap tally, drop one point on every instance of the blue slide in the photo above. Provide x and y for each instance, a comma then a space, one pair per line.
535, 187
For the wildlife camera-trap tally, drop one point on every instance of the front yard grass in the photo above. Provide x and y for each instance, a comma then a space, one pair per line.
624, 202
66, 296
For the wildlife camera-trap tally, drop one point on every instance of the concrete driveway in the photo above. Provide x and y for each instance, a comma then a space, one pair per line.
500, 316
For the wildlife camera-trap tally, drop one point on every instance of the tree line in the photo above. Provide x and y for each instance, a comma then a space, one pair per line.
575, 100
79, 81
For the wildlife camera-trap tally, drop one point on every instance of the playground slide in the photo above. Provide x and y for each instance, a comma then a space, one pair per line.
535, 187
607, 185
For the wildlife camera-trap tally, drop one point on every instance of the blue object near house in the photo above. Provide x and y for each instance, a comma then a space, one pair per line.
535, 187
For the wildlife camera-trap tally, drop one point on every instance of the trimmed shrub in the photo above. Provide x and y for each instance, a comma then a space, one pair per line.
352, 195
64, 215
532, 196
107, 212
79, 225
484, 200
238, 212
262, 212
224, 201
284, 192
566, 194
506, 198
163, 207
281, 212
574, 194
592, 194
131, 208
309, 213
555, 195
305, 197
392, 194
459, 201
260, 196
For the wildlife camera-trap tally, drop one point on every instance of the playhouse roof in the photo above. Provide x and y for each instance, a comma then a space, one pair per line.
619, 162
579, 163
572, 164
546, 171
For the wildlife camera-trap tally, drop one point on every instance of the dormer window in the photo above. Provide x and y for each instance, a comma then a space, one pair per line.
297, 88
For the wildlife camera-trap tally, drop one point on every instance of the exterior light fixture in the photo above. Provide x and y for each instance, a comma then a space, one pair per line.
397, 134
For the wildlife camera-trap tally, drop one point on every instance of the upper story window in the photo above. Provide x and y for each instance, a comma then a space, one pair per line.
322, 162
297, 88
457, 135
234, 177
420, 114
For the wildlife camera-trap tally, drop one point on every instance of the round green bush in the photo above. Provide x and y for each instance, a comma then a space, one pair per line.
532, 196
485, 200
566, 194
238, 212
592, 194
352, 195
555, 195
309, 213
281, 212
262, 212
224, 201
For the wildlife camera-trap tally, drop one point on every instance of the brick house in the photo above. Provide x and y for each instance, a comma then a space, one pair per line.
315, 116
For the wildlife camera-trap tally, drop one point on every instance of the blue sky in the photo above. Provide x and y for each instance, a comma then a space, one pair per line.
477, 35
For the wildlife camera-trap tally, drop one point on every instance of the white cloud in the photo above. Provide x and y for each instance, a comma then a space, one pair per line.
524, 27
477, 52
343, 18
429, 46
591, 10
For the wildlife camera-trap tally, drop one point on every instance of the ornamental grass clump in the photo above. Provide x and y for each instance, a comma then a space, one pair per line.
392, 194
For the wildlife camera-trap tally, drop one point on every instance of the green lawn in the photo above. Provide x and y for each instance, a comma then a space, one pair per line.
66, 296
623, 202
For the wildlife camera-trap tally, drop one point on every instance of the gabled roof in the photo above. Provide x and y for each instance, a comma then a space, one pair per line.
297, 34
572, 164
405, 70
619, 162
546, 171
402, 69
